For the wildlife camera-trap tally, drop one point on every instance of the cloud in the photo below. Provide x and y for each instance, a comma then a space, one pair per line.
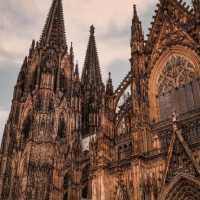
23, 20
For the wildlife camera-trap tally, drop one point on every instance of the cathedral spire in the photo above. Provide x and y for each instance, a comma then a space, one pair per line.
53, 34
91, 70
137, 37
92, 89
135, 15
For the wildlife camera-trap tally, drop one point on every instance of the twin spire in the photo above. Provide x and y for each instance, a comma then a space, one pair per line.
53, 34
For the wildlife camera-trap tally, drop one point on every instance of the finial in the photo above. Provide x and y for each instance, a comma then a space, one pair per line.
92, 28
134, 8
135, 15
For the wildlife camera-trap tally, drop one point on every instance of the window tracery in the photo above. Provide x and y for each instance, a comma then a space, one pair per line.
178, 87
177, 72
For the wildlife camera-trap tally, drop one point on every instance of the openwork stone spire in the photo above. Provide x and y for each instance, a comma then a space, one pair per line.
91, 71
53, 34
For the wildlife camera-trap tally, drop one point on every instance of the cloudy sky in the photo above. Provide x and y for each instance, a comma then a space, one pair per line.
22, 20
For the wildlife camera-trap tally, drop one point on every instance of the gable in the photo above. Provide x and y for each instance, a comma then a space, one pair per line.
180, 159
170, 19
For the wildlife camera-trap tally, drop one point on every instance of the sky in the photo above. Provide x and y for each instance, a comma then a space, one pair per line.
23, 20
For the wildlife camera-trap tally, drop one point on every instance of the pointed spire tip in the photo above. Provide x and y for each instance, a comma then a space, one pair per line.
109, 75
135, 11
92, 29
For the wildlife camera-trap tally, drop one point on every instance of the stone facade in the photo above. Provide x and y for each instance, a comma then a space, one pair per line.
72, 138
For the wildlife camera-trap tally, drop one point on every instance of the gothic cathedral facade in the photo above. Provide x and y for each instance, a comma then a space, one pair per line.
74, 138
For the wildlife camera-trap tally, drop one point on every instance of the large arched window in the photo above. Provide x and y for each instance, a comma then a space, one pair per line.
174, 73
178, 87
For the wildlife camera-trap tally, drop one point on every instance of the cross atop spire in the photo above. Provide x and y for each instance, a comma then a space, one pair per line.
53, 34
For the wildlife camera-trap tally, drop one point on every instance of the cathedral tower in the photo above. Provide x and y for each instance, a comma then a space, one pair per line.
43, 126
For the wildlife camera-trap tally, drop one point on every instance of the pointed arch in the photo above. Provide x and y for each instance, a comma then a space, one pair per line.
157, 70
182, 187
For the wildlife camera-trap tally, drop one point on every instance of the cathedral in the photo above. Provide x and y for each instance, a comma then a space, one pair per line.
69, 136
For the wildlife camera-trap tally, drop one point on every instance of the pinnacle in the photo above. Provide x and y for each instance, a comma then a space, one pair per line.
109, 85
109, 75
92, 29
135, 15
137, 33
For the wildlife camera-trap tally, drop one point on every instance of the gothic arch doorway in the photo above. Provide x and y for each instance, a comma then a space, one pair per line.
182, 188
173, 73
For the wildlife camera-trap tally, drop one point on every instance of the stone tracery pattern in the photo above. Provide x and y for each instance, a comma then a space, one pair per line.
176, 72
